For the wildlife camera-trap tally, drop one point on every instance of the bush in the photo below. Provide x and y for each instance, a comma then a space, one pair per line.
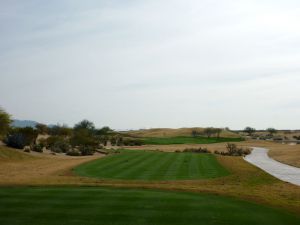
21, 137
16, 140
233, 150
58, 144
60, 147
132, 142
196, 150
73, 153
87, 150
37, 148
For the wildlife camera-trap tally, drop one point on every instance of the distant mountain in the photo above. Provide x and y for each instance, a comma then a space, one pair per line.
23, 123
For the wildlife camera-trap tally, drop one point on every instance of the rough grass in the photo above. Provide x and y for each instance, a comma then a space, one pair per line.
186, 140
9, 154
149, 165
100, 206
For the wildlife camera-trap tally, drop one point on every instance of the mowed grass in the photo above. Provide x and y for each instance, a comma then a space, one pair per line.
151, 165
103, 206
186, 140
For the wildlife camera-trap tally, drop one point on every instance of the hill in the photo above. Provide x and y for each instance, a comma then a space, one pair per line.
169, 132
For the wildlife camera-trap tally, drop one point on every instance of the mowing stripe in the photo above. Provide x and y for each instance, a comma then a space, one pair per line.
138, 169
144, 168
131, 162
158, 167
141, 165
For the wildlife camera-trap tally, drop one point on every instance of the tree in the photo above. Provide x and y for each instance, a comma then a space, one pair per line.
209, 131
41, 128
104, 131
217, 132
195, 133
272, 131
249, 130
5, 121
85, 124
60, 130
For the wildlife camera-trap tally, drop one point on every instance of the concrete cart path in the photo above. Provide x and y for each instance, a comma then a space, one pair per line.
259, 157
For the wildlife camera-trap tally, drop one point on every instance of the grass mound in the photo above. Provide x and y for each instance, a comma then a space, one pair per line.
8, 154
103, 206
147, 165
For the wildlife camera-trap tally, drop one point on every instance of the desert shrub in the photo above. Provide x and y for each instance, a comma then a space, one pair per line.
21, 137
73, 152
113, 141
132, 142
120, 141
60, 147
87, 150
37, 148
16, 140
196, 150
58, 144
83, 137
233, 150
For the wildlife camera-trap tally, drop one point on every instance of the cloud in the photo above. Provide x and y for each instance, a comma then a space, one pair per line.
151, 63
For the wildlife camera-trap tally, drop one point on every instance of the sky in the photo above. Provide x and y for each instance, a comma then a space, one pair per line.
153, 63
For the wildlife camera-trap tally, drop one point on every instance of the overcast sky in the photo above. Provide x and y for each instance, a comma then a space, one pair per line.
152, 63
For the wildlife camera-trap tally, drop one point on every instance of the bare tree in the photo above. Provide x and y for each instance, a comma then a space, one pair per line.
249, 130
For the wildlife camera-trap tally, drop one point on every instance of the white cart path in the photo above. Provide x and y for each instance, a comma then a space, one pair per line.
259, 157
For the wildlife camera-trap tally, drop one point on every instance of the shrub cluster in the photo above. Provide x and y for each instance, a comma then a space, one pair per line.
132, 142
233, 150
296, 137
37, 148
21, 137
196, 150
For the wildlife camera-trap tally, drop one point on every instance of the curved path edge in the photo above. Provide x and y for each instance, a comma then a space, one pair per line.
259, 157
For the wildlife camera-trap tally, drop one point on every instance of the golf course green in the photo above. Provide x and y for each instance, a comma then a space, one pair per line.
107, 206
153, 165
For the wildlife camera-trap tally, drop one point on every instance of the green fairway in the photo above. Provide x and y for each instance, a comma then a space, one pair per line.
103, 206
186, 140
151, 165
